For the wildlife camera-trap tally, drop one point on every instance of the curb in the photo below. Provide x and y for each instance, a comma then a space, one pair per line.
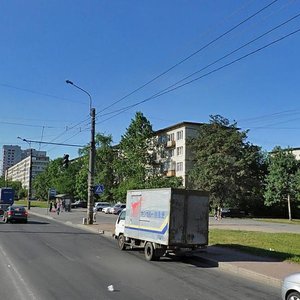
81, 226
251, 274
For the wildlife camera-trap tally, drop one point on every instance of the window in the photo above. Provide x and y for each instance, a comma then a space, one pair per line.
179, 150
122, 216
171, 137
179, 166
180, 135
171, 152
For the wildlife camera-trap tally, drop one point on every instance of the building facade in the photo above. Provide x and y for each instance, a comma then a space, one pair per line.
21, 171
174, 153
296, 152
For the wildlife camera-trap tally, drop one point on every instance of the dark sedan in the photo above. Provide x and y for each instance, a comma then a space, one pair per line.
232, 213
15, 214
79, 203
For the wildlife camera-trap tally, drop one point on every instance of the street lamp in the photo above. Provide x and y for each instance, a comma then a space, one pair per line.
30, 173
92, 151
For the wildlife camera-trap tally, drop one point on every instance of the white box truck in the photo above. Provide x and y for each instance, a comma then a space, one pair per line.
163, 220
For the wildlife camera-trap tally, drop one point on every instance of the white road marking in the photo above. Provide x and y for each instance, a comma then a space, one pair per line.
16, 278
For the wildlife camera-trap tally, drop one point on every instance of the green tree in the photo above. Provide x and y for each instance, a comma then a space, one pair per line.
282, 181
57, 177
135, 160
227, 166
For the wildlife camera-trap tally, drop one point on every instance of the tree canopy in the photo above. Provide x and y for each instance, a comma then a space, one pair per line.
282, 181
226, 165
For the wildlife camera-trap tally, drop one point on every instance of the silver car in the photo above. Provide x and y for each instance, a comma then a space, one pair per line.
290, 289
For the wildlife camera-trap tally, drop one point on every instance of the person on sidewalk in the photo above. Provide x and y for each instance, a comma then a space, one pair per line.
50, 208
219, 213
216, 212
58, 206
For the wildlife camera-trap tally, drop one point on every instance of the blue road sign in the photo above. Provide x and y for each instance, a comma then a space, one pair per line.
52, 192
99, 189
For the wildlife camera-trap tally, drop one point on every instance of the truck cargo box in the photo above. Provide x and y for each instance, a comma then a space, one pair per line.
171, 217
7, 196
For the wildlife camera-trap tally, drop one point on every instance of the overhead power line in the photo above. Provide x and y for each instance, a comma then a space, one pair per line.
37, 93
232, 52
191, 55
28, 125
49, 143
120, 111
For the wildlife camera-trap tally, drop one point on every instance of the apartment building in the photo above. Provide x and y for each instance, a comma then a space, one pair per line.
21, 170
174, 154
11, 155
296, 152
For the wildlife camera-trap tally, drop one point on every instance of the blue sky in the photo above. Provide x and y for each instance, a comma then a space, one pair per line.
111, 48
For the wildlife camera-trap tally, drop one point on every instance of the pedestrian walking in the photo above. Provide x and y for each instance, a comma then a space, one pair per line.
58, 205
216, 212
219, 213
50, 207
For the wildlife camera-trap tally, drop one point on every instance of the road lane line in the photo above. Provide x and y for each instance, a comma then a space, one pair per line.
16, 277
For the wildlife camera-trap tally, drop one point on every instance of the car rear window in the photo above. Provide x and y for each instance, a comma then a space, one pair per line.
18, 208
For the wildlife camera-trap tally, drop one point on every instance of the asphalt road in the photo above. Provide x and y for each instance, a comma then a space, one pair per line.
48, 260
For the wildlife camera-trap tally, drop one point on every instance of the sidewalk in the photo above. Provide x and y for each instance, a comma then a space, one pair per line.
262, 269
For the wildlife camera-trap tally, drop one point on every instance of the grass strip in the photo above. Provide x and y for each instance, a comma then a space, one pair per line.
41, 204
283, 246
282, 221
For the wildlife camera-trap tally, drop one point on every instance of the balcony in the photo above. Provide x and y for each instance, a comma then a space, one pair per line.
171, 144
171, 173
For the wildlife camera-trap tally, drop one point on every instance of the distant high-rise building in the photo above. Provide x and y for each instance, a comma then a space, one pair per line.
11, 156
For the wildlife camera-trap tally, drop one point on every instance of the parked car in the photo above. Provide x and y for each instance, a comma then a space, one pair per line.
15, 214
232, 213
290, 289
79, 203
118, 208
106, 210
100, 205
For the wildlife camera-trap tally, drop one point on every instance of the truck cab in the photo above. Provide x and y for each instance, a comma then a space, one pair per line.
120, 223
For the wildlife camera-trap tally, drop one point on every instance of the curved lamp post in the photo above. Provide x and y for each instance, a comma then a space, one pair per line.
91, 172
30, 174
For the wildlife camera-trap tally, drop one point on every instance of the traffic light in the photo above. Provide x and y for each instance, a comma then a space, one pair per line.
66, 161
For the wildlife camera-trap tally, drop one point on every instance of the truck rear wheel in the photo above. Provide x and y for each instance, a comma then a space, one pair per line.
121, 242
150, 253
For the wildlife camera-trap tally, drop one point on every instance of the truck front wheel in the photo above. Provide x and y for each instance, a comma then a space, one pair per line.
150, 252
121, 242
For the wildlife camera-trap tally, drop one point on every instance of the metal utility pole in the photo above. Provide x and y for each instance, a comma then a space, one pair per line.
91, 170
92, 152
30, 180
